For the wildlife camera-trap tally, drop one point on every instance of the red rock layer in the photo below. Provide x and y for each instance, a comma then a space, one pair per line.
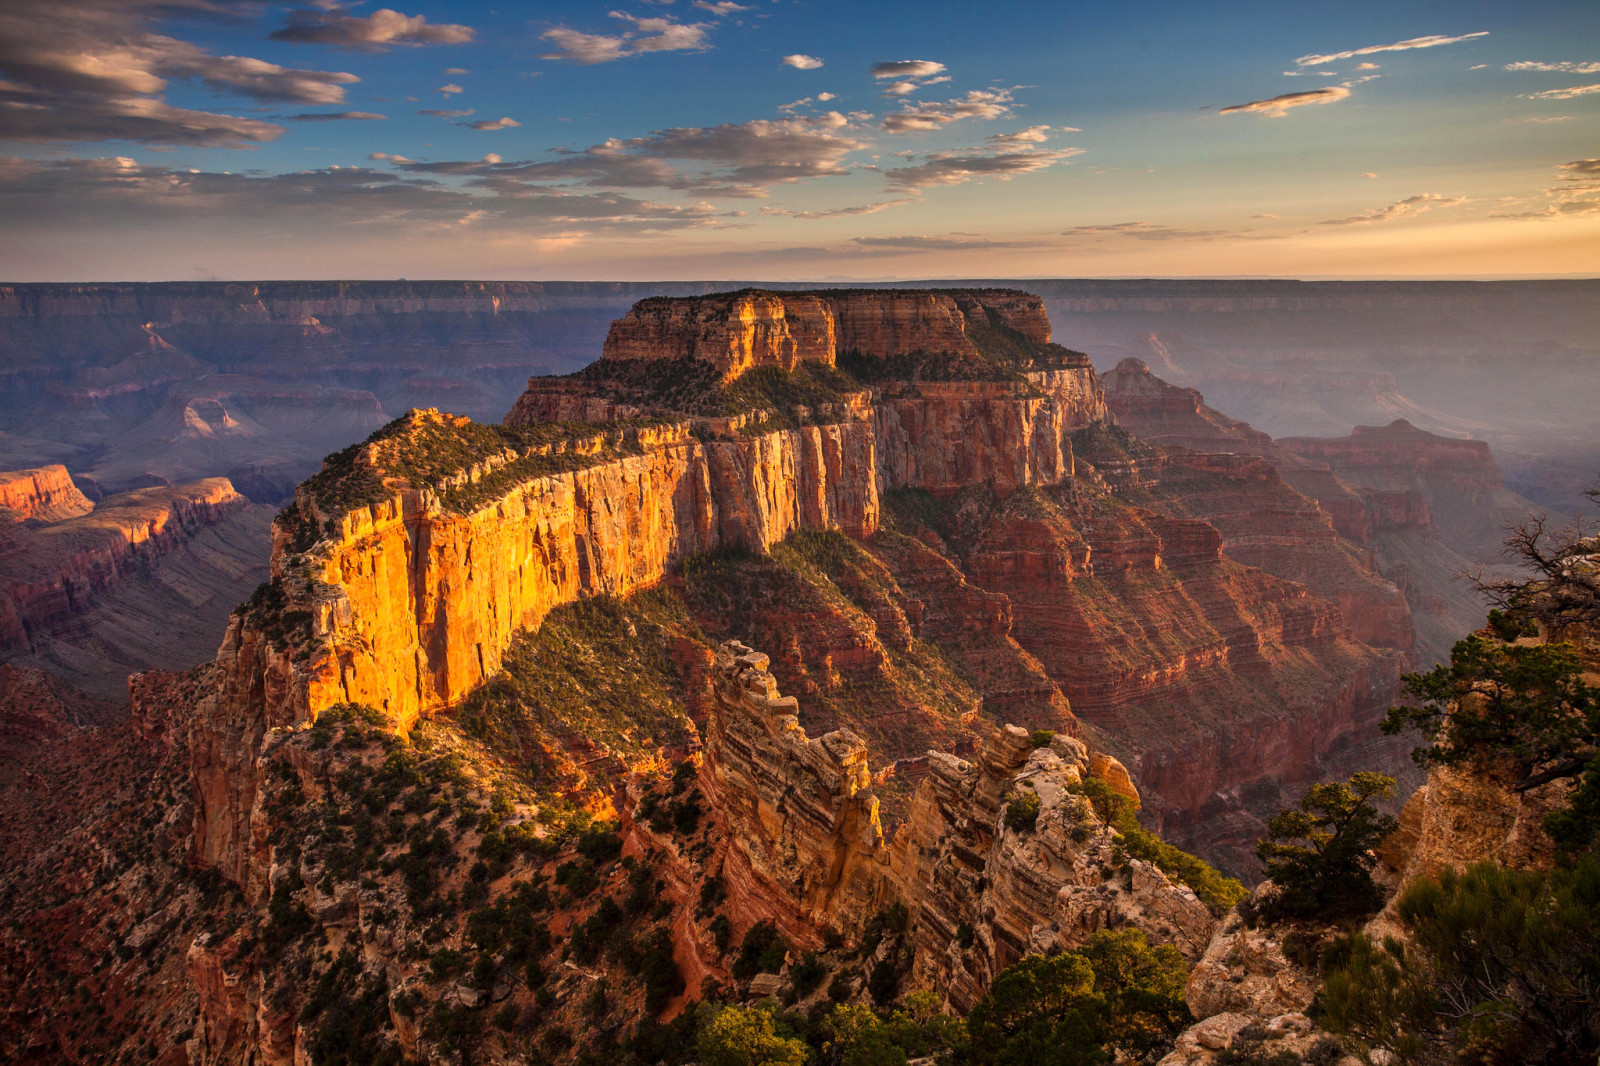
1160, 413
743, 330
45, 494
54, 572
1209, 678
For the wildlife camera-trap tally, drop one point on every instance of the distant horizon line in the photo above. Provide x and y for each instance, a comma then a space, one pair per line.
835, 280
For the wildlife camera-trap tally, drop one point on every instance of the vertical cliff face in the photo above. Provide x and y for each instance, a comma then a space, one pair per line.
740, 331
734, 332
407, 603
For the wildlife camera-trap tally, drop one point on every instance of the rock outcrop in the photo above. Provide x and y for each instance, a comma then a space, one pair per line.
404, 595
44, 494
56, 569
806, 851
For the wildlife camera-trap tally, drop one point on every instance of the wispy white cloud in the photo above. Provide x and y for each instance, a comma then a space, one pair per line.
107, 191
799, 61
907, 68
450, 90
839, 212
336, 116
1144, 231
1410, 207
492, 124
961, 166
647, 35
1564, 94
374, 33
1577, 194
734, 160
1019, 140
984, 104
92, 70
719, 8
951, 243
1278, 106
1433, 41
1556, 68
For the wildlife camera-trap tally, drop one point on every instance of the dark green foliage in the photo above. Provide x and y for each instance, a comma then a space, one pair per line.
1218, 893
883, 984
1504, 967
510, 928
658, 968
600, 842
1040, 738
600, 668
891, 921
287, 918
1320, 856
694, 386
761, 951
578, 878
1033, 1014
1116, 992
807, 974
1509, 629
1022, 811
452, 1028
1528, 707
722, 933
348, 1018
1528, 704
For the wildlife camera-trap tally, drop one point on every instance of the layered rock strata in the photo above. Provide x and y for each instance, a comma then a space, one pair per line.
56, 570
44, 494
753, 328
806, 851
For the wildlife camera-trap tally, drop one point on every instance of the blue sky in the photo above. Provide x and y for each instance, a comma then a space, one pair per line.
212, 138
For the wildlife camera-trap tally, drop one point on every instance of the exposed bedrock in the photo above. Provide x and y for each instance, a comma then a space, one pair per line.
71, 553
806, 851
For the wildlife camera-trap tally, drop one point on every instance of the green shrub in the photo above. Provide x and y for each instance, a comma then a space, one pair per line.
1022, 812
1320, 856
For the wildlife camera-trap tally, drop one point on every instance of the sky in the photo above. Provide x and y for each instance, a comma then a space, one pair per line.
797, 140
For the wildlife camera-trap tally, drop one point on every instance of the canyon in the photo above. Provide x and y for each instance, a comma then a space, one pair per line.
399, 580
92, 591
991, 580
1424, 511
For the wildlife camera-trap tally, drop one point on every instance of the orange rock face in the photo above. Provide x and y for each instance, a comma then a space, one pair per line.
744, 330
734, 331
46, 494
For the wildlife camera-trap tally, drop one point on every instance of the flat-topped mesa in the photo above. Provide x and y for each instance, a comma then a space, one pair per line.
752, 328
734, 332
43, 494
806, 852
1401, 450
69, 553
